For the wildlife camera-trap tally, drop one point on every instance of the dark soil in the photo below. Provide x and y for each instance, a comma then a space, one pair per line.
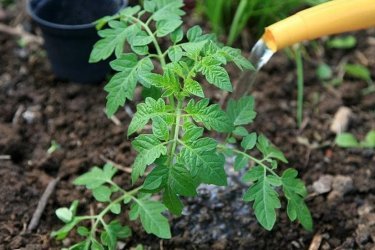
35, 109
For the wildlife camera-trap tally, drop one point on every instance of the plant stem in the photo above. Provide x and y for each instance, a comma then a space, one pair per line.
299, 63
175, 130
99, 217
149, 32
161, 55
234, 29
259, 162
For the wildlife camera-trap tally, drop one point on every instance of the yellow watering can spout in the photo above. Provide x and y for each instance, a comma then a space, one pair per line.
329, 18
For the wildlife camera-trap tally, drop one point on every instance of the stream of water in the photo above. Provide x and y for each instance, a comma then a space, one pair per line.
260, 54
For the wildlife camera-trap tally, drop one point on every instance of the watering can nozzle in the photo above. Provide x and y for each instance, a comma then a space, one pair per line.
333, 17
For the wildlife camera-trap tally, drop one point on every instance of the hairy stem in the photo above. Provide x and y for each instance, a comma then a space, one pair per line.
259, 162
161, 55
175, 131
99, 217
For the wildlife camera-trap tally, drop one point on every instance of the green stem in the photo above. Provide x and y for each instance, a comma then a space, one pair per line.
161, 55
175, 130
299, 63
86, 217
99, 217
151, 34
259, 162
234, 29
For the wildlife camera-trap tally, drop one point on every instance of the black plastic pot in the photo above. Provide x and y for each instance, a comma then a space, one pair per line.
69, 34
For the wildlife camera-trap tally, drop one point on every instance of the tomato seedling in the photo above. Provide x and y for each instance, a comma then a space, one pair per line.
177, 152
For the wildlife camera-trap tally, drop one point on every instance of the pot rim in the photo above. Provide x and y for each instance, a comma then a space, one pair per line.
49, 24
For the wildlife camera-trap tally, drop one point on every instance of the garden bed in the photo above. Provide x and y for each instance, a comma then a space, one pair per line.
36, 109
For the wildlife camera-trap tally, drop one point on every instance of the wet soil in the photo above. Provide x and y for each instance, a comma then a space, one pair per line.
36, 108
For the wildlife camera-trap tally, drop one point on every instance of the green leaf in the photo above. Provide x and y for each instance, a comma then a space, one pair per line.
109, 171
193, 33
241, 112
276, 154
152, 219
175, 53
295, 190
211, 116
240, 131
116, 208
168, 82
217, 76
165, 27
297, 209
64, 231
83, 245
140, 50
160, 128
149, 148
201, 157
122, 85
172, 202
358, 71
201, 145
181, 181
83, 231
102, 193
177, 35
112, 39
108, 239
346, 42
370, 139
193, 49
149, 6
146, 111
139, 247
130, 11
95, 245
114, 231
266, 201
193, 87
268, 150
168, 9
125, 62
255, 173
293, 184
274, 180
156, 178
64, 214
235, 55
346, 140
263, 145
96, 177
240, 162
141, 39
249, 141
192, 133
103, 21
324, 72
134, 211
119, 231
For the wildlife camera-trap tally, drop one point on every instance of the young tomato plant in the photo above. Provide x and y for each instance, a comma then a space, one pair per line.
176, 151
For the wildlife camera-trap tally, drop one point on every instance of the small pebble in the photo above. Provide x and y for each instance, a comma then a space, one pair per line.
341, 120
342, 184
363, 234
323, 185
31, 114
